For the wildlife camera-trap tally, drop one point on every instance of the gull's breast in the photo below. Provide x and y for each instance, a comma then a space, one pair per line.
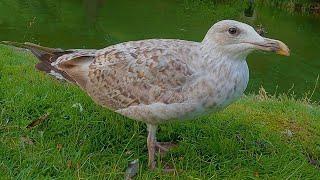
221, 87
205, 94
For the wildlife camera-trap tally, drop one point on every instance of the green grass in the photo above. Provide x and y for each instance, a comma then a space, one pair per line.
258, 137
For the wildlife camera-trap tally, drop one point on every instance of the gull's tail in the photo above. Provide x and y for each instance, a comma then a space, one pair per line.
70, 65
46, 57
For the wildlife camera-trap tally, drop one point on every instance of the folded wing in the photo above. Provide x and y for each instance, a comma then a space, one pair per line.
140, 72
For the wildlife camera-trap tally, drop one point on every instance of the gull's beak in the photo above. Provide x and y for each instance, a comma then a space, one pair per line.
273, 46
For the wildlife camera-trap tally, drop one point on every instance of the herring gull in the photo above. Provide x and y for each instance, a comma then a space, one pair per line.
160, 80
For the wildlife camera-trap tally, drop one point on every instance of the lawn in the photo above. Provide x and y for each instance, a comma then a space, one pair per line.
259, 136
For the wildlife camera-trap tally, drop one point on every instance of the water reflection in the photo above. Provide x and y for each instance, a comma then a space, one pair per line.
249, 10
92, 8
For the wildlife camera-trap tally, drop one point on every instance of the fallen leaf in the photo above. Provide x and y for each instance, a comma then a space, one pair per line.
69, 164
78, 165
37, 121
59, 147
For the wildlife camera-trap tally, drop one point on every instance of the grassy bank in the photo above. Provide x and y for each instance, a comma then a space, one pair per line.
298, 6
257, 137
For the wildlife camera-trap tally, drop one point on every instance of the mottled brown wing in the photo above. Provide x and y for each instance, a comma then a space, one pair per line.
141, 72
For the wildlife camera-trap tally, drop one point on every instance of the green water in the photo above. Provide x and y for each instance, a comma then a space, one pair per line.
99, 23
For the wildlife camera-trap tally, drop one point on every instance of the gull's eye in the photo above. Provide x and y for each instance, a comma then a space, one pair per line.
233, 30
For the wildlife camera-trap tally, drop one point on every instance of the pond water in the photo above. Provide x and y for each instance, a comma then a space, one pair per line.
99, 23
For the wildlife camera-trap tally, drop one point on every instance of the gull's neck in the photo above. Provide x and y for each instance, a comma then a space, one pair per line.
217, 53
216, 60
224, 70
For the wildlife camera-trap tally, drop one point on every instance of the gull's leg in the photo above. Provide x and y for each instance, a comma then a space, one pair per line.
154, 146
151, 143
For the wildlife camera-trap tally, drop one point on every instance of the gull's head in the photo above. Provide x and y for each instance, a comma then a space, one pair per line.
239, 39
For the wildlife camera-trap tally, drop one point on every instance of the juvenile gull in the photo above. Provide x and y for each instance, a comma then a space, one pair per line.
160, 80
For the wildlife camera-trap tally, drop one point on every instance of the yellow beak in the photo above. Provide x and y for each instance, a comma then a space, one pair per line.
273, 46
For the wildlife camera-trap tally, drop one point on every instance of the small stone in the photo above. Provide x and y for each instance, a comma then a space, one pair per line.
132, 169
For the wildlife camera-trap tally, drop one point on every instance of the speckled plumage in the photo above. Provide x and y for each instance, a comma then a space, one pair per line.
159, 80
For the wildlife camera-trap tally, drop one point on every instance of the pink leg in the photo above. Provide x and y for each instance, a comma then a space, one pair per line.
154, 146
151, 143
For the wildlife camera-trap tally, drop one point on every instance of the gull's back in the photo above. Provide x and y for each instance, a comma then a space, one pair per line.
140, 72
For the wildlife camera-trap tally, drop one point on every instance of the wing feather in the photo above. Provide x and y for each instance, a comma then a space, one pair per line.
140, 72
